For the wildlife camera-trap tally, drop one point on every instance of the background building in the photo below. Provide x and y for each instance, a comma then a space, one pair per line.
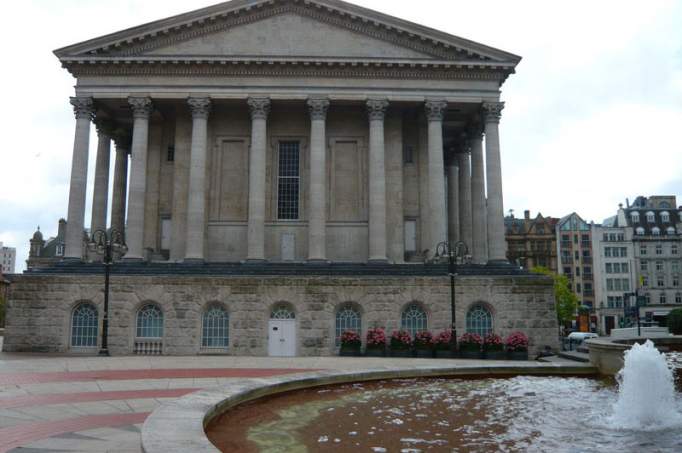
615, 277
8, 257
656, 222
574, 240
43, 253
531, 242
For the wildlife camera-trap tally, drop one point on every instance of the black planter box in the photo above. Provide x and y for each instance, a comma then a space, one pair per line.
517, 355
404, 353
349, 352
375, 352
445, 354
470, 354
495, 355
424, 353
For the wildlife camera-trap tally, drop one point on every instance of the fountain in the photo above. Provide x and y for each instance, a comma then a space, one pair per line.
646, 397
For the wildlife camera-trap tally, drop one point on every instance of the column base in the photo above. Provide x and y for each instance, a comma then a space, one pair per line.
317, 262
377, 261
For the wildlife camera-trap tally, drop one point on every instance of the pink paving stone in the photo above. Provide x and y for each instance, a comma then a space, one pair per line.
119, 375
17, 436
62, 398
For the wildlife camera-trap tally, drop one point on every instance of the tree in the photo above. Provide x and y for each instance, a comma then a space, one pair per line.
566, 300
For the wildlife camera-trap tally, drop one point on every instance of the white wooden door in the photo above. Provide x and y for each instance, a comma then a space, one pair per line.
282, 338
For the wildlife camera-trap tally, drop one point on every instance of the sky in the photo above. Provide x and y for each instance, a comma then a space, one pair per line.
593, 115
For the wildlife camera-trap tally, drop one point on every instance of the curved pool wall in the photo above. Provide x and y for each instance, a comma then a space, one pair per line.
607, 354
178, 426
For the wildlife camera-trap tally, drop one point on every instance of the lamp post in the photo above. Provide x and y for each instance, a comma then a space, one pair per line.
453, 252
106, 244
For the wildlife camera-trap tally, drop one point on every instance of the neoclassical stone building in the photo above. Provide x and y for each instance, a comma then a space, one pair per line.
293, 137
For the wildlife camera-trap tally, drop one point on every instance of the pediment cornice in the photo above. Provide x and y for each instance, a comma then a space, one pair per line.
134, 42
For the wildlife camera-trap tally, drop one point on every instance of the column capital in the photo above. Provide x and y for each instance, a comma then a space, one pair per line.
492, 111
142, 107
376, 108
199, 107
318, 108
83, 107
435, 109
260, 108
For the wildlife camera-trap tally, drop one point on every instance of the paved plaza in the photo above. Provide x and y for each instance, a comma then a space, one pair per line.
71, 403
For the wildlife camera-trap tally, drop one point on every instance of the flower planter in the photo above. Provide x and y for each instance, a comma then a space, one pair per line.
495, 355
517, 355
424, 353
375, 352
402, 353
470, 354
445, 354
349, 351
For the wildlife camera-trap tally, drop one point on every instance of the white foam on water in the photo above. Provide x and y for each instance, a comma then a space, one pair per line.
646, 394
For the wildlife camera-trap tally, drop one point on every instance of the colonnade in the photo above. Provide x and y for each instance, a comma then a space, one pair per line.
470, 215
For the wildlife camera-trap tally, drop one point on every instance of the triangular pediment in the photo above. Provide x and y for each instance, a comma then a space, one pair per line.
287, 29
288, 35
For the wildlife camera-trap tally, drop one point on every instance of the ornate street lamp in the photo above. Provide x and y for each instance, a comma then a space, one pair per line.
106, 244
454, 252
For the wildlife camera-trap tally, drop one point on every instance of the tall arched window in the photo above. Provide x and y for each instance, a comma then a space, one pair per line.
149, 322
215, 328
84, 325
347, 319
413, 319
479, 320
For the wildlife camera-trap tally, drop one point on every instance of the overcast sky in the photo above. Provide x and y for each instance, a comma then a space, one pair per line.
593, 116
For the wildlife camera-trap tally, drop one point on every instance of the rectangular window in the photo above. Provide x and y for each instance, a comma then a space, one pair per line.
619, 301
645, 282
661, 298
626, 284
587, 270
617, 284
623, 252
621, 237
624, 268
577, 255
567, 270
408, 154
609, 284
609, 301
660, 282
606, 237
659, 265
644, 266
616, 268
577, 271
673, 249
675, 266
170, 153
678, 298
607, 252
642, 249
609, 268
659, 249
288, 181
577, 288
676, 280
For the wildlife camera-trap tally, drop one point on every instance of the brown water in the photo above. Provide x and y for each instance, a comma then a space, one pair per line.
439, 415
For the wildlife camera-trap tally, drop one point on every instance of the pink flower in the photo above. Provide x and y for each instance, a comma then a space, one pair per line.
471, 339
350, 338
376, 337
423, 338
401, 339
517, 341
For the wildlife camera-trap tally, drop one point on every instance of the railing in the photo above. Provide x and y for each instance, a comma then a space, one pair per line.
148, 346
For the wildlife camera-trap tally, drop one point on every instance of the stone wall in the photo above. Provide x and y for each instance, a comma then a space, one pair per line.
40, 307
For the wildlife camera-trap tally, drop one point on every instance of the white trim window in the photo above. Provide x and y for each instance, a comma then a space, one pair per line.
84, 326
215, 328
288, 180
650, 217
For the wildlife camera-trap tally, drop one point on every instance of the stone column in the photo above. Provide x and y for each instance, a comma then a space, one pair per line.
479, 248
196, 202
142, 109
83, 108
465, 217
377, 180
317, 206
100, 197
453, 198
120, 188
435, 111
497, 246
260, 107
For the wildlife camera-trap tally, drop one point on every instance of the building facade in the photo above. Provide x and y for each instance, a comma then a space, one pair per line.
45, 253
656, 222
532, 242
574, 243
285, 137
615, 272
8, 259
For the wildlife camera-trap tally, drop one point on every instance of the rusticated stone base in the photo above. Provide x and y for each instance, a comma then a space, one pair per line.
40, 307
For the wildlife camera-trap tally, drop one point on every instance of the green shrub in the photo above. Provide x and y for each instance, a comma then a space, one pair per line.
675, 321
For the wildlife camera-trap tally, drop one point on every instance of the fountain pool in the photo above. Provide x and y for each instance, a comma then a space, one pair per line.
412, 415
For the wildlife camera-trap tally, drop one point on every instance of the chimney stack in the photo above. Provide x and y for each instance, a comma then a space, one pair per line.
526, 214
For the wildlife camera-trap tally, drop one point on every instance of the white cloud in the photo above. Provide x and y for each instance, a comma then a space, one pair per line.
592, 116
